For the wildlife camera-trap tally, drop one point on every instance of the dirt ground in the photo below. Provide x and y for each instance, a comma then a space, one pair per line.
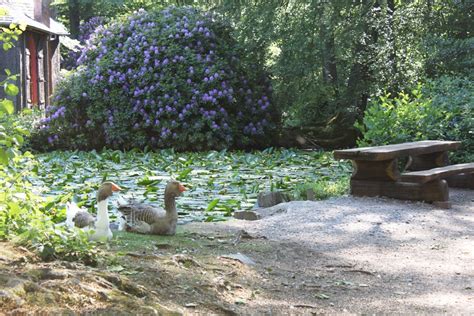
340, 256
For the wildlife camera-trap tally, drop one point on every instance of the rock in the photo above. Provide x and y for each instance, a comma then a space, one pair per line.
246, 215
50, 274
239, 257
270, 211
310, 195
268, 199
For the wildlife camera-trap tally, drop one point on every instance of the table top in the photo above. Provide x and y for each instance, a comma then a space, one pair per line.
388, 152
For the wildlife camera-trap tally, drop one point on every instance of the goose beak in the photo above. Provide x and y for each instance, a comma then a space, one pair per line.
116, 188
181, 188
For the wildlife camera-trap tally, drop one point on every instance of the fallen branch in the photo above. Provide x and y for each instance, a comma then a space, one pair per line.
305, 306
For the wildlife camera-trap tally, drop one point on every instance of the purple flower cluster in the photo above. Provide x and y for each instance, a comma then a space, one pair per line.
168, 78
86, 31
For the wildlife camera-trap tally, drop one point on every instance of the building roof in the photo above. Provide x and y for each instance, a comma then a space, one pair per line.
19, 17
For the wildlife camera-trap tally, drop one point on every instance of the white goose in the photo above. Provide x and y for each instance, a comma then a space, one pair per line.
79, 217
102, 225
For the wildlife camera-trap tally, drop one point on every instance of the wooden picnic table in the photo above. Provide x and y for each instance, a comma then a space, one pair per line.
377, 170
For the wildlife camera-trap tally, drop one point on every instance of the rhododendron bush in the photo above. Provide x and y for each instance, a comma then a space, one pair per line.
171, 78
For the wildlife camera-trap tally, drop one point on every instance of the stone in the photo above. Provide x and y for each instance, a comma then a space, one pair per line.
268, 199
239, 257
246, 215
310, 195
51, 274
270, 211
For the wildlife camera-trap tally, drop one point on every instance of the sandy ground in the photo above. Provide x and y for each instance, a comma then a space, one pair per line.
415, 257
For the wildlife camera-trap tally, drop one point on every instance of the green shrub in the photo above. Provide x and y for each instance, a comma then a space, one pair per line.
403, 118
172, 78
443, 109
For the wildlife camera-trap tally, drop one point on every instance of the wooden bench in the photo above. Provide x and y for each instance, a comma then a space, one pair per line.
376, 171
425, 176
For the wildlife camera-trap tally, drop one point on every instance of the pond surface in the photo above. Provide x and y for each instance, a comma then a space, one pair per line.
217, 182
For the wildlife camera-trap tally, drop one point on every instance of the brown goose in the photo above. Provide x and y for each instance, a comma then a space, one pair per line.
146, 219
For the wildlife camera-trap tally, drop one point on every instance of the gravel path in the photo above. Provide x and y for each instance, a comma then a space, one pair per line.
422, 256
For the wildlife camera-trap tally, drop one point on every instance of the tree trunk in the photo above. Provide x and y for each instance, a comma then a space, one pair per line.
328, 53
74, 17
393, 47
360, 75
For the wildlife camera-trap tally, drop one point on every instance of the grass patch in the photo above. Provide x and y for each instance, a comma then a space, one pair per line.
321, 190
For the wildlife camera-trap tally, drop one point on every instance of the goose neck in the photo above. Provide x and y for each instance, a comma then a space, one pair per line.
170, 203
102, 213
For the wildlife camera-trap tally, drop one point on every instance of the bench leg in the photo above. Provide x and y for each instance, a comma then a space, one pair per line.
429, 192
463, 180
435, 191
385, 170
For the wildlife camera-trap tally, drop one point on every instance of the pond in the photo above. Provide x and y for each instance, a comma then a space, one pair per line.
217, 182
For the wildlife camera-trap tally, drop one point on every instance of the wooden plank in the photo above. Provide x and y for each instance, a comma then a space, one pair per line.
388, 152
41, 73
425, 176
28, 78
428, 192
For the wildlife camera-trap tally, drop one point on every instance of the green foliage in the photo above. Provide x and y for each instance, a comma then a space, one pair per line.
31, 221
443, 109
455, 96
10, 34
449, 42
328, 56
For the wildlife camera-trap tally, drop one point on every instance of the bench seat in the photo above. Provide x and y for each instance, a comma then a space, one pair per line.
425, 176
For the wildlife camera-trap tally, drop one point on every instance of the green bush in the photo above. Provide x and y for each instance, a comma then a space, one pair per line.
442, 109
159, 79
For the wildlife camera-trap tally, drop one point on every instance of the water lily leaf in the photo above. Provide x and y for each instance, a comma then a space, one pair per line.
212, 205
183, 174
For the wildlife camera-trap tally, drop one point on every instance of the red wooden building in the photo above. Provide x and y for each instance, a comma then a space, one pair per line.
35, 58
